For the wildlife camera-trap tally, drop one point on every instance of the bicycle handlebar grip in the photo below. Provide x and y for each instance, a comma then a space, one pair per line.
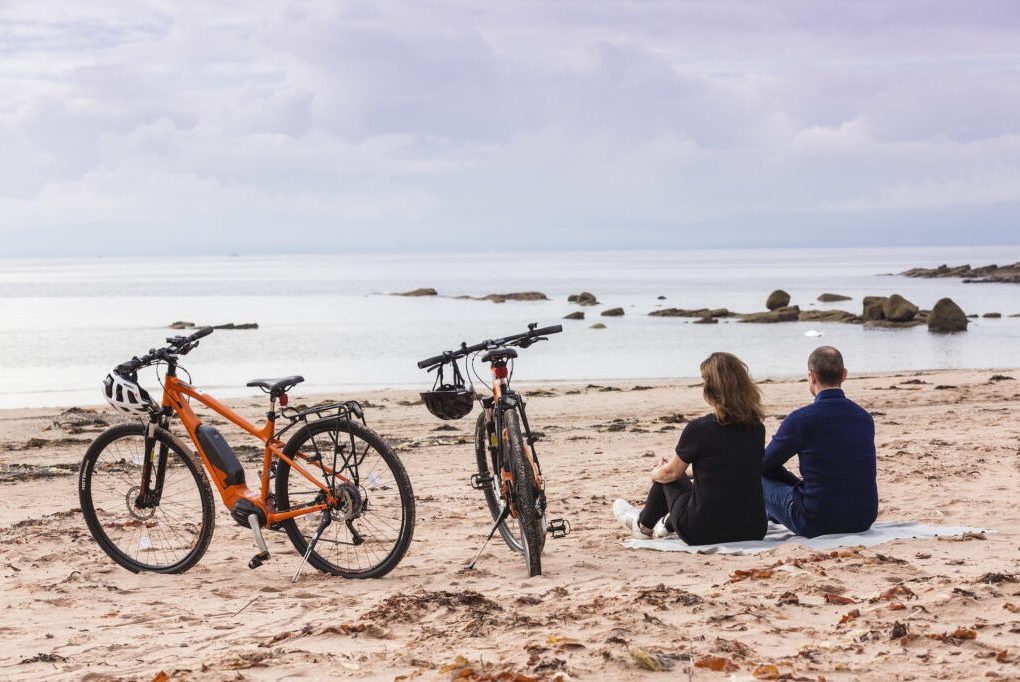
555, 329
431, 361
201, 333
129, 366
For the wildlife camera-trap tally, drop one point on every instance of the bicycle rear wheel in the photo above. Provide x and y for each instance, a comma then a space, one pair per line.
524, 492
487, 470
371, 530
167, 536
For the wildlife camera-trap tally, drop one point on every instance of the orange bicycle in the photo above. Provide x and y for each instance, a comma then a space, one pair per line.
340, 492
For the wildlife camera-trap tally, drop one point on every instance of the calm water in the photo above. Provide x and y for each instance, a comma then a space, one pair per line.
65, 323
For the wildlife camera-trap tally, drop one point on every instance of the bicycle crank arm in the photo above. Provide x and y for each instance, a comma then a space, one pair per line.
558, 528
326, 518
260, 542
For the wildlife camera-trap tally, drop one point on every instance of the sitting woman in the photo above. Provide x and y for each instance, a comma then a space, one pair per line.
724, 502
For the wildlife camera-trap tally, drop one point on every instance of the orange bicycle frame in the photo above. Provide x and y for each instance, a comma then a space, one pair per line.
175, 396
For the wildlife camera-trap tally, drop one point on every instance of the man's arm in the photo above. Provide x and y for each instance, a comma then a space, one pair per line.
785, 444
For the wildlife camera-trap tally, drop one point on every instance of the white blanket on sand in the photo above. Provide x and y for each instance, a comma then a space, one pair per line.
778, 535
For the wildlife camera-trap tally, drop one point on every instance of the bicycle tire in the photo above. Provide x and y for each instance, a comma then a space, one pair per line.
492, 494
287, 486
101, 520
529, 517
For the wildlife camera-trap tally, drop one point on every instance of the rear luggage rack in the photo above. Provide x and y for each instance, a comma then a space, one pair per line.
350, 410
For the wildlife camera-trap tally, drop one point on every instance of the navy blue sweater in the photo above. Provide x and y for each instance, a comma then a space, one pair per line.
835, 440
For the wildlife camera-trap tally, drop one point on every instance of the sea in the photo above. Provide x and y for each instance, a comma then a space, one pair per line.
64, 323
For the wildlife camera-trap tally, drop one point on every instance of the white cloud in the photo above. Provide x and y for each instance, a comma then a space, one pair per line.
399, 124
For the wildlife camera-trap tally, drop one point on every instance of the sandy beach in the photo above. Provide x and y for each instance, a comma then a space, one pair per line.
948, 453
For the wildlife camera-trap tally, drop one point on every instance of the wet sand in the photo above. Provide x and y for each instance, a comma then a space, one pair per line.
949, 453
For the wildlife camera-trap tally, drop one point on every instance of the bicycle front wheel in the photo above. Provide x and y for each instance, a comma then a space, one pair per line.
168, 534
524, 491
371, 529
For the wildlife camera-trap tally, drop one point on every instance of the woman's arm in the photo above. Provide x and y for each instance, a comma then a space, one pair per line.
669, 470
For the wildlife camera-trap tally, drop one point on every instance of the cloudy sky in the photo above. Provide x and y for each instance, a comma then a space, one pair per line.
269, 126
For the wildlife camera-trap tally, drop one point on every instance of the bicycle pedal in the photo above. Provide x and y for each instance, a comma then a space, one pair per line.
258, 560
479, 482
558, 528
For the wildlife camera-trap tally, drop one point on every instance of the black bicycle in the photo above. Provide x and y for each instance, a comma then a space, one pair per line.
509, 473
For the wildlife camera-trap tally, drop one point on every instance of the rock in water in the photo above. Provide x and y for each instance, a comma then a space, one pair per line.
516, 296
992, 316
831, 298
583, 298
898, 309
777, 299
426, 291
598, 325
707, 320
613, 312
574, 316
947, 317
874, 308
181, 324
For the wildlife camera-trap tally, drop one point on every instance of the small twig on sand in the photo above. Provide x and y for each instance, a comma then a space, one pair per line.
250, 602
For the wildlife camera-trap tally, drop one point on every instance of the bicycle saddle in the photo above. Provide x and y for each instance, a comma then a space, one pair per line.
276, 386
499, 354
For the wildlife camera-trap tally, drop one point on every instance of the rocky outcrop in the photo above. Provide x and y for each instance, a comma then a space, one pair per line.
992, 316
947, 317
583, 298
574, 316
898, 309
832, 298
778, 315
695, 312
613, 312
515, 296
777, 299
228, 325
425, 291
891, 324
830, 316
707, 320
985, 273
873, 308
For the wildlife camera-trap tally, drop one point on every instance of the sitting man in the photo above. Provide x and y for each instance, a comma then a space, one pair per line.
834, 439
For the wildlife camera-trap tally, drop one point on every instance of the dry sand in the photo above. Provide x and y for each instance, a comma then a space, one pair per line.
949, 453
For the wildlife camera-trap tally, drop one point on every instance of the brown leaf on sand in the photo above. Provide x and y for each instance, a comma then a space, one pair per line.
753, 574
896, 591
766, 672
1002, 656
849, 616
716, 663
161, 677
787, 598
957, 635
564, 643
837, 599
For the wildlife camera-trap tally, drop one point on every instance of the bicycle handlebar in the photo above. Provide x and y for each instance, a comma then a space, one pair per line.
464, 350
176, 345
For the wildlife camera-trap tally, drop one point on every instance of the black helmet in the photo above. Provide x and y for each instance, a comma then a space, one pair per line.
449, 401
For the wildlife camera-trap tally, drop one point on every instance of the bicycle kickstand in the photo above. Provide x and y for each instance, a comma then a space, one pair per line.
326, 518
502, 517
260, 542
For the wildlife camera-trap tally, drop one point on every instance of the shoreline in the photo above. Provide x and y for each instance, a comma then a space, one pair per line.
947, 452
351, 393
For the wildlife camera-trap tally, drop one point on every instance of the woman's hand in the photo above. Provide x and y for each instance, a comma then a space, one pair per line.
668, 470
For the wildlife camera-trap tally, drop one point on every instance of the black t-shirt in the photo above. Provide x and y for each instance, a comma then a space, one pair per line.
727, 503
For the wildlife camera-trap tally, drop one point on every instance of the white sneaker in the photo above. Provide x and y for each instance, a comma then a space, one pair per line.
627, 514
660, 530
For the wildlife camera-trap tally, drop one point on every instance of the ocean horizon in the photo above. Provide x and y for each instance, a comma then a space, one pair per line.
331, 318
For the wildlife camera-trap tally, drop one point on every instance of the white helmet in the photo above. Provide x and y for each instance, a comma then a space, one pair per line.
126, 395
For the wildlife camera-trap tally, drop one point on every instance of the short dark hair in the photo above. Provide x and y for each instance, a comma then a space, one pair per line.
827, 364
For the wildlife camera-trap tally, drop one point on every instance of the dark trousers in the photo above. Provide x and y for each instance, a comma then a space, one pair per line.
667, 499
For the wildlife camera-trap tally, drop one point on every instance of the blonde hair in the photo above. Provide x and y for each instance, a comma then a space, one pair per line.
729, 390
